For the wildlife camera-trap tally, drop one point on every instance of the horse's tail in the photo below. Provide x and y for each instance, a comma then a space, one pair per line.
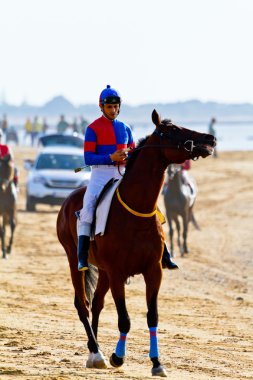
194, 221
91, 279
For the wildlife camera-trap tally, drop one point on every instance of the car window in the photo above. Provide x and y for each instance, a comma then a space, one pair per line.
60, 162
63, 140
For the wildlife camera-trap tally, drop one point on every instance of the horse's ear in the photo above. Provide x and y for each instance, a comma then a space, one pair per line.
156, 118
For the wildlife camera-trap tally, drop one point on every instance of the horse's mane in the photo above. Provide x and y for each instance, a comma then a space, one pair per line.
134, 154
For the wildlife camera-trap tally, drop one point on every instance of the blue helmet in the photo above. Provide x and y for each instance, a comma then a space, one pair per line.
109, 96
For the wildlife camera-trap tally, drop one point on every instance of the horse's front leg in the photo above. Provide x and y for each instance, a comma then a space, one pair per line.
153, 278
185, 233
171, 232
12, 226
117, 286
2, 235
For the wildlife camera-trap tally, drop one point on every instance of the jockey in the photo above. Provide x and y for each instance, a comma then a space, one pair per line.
6, 152
107, 141
185, 175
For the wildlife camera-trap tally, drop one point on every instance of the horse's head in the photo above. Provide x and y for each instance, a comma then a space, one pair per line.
6, 172
181, 144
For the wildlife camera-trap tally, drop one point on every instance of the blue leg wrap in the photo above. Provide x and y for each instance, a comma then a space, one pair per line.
153, 352
121, 346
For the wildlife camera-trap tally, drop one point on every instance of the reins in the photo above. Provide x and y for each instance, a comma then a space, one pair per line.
174, 145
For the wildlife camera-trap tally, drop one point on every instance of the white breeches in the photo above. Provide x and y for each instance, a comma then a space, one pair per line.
100, 175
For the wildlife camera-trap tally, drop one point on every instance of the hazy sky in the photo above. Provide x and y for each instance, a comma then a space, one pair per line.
150, 50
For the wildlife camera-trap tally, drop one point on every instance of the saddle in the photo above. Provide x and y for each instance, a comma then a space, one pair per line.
102, 208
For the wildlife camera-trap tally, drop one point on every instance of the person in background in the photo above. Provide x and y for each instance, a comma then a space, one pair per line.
212, 131
44, 126
62, 125
106, 145
4, 124
83, 125
36, 129
74, 126
28, 129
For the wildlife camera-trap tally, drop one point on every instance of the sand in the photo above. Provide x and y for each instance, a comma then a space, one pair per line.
205, 308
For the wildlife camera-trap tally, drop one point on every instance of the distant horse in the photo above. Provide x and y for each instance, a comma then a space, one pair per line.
133, 241
7, 203
179, 199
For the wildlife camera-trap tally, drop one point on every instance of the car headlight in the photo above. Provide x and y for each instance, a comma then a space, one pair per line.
39, 179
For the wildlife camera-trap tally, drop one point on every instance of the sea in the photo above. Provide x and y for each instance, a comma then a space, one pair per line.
233, 136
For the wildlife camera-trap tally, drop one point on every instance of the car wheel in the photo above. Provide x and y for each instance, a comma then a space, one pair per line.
30, 204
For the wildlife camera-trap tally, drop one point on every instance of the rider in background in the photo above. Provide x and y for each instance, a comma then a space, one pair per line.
6, 153
212, 131
186, 178
106, 145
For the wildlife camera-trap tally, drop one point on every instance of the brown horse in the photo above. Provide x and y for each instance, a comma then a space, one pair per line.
134, 239
179, 199
7, 202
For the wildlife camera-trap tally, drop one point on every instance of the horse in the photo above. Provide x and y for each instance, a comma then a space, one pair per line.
179, 199
133, 241
8, 209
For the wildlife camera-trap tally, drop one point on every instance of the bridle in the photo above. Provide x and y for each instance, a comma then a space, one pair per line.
176, 142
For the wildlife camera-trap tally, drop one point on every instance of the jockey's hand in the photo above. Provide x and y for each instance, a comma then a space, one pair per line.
119, 155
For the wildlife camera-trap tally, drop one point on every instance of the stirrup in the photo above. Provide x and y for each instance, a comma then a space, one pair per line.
82, 268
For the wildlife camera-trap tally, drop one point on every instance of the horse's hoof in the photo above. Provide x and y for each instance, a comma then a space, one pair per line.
159, 371
89, 362
115, 361
96, 361
99, 361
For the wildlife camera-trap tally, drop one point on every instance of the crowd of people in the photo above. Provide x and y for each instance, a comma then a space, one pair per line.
35, 127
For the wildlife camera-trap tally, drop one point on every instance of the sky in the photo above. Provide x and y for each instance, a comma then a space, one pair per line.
152, 51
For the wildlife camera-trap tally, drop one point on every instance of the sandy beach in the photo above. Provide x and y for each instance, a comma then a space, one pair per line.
205, 308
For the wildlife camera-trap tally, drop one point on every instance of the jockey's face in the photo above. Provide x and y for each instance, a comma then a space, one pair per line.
111, 111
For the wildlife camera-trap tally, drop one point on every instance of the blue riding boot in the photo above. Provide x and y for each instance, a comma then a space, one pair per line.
82, 252
166, 259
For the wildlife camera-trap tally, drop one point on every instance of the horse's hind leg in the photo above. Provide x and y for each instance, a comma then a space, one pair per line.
153, 279
96, 358
185, 233
117, 286
179, 236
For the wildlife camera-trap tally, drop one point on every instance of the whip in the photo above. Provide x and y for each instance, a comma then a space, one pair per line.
76, 170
